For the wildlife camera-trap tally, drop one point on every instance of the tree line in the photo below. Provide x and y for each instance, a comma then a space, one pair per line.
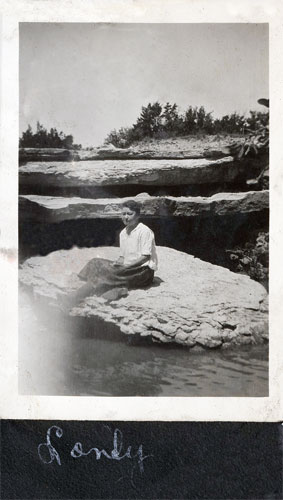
163, 121
41, 138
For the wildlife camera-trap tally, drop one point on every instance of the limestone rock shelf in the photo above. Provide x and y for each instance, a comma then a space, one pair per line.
192, 302
47, 154
135, 172
57, 209
181, 148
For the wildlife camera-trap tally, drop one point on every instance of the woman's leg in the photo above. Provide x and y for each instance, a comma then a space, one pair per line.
112, 286
74, 298
141, 278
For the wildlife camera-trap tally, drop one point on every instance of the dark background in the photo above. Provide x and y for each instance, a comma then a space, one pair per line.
191, 460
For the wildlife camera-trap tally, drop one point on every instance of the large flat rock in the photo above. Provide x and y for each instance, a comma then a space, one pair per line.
56, 209
47, 154
112, 153
141, 153
135, 172
186, 147
192, 302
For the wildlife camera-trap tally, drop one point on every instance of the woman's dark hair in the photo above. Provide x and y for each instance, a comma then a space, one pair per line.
132, 205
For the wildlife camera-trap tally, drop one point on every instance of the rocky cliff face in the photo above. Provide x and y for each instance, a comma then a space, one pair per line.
57, 209
191, 303
135, 172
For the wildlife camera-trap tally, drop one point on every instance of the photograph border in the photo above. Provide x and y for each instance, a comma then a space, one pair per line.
132, 408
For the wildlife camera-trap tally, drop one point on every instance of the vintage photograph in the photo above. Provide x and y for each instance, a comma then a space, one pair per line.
143, 209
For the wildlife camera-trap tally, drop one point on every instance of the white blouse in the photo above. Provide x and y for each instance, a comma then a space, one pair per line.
140, 241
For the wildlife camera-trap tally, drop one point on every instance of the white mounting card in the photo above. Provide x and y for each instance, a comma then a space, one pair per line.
51, 54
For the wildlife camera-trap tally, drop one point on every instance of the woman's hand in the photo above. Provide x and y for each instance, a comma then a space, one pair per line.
118, 263
138, 262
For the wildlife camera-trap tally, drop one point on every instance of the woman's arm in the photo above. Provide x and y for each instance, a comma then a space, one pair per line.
138, 262
119, 262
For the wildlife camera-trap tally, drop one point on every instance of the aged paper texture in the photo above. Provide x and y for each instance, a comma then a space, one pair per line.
81, 72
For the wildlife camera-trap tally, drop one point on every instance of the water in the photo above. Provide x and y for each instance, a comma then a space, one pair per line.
58, 356
153, 371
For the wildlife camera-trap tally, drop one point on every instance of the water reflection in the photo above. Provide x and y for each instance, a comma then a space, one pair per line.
151, 371
58, 357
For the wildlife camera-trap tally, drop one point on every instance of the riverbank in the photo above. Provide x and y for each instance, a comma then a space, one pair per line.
57, 358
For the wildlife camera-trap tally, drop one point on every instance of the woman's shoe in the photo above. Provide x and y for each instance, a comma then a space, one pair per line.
115, 294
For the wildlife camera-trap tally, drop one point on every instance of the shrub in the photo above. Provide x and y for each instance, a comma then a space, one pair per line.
43, 139
163, 121
252, 258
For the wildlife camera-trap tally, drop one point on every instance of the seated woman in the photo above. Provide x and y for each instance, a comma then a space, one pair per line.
134, 268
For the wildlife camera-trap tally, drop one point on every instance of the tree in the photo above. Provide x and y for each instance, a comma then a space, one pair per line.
27, 137
190, 120
170, 119
204, 121
157, 121
149, 121
257, 119
43, 139
68, 142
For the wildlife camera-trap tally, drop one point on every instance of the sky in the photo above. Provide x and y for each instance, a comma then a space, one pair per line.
87, 79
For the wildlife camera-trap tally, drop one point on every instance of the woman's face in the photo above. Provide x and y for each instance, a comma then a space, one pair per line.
129, 217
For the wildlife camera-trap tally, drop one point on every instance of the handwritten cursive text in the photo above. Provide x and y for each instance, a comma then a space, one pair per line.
48, 453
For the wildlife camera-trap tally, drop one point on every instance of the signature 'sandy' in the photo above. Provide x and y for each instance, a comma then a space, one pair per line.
48, 453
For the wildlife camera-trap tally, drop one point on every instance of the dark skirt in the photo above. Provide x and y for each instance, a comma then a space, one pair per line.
101, 273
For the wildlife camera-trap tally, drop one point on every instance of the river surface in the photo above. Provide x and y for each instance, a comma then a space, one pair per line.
56, 358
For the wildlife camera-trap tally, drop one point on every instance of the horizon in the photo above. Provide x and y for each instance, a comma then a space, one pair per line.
150, 62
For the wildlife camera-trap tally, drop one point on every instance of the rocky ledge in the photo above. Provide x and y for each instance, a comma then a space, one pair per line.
112, 153
178, 147
136, 172
192, 302
56, 209
46, 154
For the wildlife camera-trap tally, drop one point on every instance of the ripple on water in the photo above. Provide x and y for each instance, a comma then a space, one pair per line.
63, 362
175, 372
